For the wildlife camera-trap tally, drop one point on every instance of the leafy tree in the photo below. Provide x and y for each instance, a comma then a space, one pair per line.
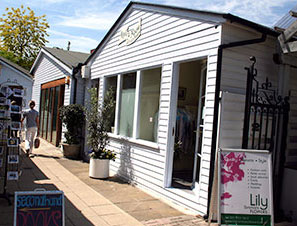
21, 35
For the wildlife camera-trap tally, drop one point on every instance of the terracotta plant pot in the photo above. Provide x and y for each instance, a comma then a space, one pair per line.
71, 150
99, 168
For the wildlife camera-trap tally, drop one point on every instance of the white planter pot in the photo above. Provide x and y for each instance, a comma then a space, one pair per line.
99, 168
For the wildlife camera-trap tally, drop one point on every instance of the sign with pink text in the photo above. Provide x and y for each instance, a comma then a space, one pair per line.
39, 208
245, 187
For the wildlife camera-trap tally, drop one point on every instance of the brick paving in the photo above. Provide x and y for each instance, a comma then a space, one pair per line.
111, 202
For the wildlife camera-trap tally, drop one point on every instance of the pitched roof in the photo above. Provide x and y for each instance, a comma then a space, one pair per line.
286, 20
69, 58
227, 16
15, 66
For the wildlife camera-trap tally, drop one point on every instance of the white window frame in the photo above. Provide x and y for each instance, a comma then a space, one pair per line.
135, 133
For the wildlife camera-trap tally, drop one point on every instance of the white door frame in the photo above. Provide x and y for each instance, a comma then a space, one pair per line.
198, 125
172, 119
171, 124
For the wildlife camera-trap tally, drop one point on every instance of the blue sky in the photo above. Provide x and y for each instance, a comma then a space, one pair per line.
85, 22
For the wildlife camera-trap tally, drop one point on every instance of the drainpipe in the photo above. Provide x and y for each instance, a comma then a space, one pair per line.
216, 104
74, 71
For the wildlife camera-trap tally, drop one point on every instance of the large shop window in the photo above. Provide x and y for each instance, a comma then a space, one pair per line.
149, 104
111, 83
127, 104
143, 87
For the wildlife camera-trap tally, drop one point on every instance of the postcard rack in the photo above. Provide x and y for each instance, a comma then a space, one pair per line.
10, 126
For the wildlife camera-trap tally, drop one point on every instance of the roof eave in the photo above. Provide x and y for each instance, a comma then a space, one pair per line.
255, 26
26, 75
227, 16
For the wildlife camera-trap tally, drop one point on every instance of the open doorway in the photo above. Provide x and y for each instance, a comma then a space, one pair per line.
189, 124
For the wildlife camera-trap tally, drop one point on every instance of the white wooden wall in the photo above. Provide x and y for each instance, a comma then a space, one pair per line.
292, 126
48, 70
9, 73
80, 91
164, 39
236, 59
231, 120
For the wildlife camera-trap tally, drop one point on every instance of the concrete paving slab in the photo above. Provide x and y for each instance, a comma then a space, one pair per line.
111, 202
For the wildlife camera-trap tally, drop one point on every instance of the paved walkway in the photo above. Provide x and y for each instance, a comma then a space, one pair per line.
88, 201
110, 202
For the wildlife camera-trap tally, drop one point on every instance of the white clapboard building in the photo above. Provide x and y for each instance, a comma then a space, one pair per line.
12, 74
57, 82
180, 83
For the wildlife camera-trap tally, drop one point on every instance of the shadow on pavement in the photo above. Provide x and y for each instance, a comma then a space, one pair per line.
30, 179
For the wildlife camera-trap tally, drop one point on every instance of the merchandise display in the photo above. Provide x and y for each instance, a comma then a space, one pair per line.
10, 126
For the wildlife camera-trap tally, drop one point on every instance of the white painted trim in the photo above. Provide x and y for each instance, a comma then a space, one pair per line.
107, 38
206, 17
137, 105
69, 70
136, 141
202, 83
171, 125
118, 103
201, 16
16, 70
35, 62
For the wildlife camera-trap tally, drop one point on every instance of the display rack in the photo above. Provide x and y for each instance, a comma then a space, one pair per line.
11, 98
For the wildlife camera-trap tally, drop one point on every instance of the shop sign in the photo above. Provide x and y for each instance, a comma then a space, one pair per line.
130, 34
245, 187
39, 208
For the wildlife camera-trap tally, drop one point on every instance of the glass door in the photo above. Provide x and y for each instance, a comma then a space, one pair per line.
200, 128
50, 116
188, 124
55, 114
51, 99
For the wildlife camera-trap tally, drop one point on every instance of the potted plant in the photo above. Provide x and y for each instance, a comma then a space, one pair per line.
98, 123
72, 116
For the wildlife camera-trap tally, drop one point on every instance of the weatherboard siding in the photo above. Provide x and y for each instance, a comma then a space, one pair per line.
236, 59
80, 90
164, 40
8, 73
231, 120
48, 70
292, 125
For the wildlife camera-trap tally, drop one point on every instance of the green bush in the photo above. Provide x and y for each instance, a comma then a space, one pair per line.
72, 116
98, 122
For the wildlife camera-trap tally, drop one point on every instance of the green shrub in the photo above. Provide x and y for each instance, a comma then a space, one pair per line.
72, 116
98, 122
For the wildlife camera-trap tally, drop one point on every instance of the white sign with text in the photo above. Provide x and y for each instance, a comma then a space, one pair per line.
245, 187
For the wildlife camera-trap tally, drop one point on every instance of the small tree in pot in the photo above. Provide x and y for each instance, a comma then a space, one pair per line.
72, 116
98, 122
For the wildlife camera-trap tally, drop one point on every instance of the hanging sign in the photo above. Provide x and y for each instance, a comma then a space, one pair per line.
39, 208
245, 187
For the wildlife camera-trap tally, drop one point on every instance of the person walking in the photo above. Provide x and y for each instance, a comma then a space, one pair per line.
32, 127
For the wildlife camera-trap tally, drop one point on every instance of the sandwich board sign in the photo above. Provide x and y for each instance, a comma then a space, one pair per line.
245, 187
39, 208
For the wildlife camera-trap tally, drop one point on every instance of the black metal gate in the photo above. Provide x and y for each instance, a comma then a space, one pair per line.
265, 124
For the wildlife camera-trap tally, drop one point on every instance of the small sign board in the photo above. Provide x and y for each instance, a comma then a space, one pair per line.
245, 187
39, 208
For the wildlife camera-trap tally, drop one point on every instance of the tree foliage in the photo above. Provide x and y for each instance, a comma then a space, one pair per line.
98, 121
22, 34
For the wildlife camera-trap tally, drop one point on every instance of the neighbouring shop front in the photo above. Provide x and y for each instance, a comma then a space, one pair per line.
51, 99
57, 82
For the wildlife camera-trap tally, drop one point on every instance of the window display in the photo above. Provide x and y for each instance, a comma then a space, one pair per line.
147, 112
127, 104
